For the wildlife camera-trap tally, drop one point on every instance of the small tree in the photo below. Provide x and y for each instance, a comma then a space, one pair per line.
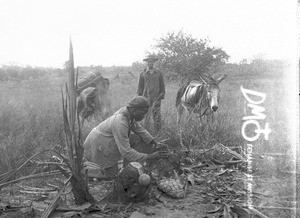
186, 56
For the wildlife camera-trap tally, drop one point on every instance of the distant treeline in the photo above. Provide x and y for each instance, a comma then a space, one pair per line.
17, 73
257, 67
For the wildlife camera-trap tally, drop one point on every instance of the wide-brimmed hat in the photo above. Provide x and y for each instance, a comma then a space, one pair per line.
150, 57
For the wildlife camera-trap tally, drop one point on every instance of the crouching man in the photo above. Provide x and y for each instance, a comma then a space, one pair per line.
121, 136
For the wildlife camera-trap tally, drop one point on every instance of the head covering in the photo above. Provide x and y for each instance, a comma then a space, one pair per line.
150, 57
139, 102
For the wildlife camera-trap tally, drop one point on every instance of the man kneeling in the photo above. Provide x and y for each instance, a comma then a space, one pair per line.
121, 136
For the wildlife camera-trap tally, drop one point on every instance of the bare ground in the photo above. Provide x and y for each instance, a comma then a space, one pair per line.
205, 196
212, 190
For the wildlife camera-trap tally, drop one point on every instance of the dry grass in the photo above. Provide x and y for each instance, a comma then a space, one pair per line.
31, 119
32, 111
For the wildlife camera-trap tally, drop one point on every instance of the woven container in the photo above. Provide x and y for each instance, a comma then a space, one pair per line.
87, 80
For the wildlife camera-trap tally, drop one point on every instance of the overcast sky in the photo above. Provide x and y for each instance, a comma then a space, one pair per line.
118, 32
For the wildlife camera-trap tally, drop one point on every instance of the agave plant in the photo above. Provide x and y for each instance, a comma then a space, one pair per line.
74, 147
73, 137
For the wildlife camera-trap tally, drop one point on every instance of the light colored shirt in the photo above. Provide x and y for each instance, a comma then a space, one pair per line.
108, 142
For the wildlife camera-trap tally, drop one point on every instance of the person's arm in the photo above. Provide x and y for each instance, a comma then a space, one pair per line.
138, 129
120, 130
141, 84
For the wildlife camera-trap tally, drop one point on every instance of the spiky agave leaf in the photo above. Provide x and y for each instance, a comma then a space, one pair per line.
80, 149
67, 127
55, 201
72, 108
73, 137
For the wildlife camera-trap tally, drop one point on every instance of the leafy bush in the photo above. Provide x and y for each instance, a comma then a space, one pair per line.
186, 56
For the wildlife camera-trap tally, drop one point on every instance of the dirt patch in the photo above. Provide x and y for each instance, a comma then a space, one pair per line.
205, 196
20, 200
211, 189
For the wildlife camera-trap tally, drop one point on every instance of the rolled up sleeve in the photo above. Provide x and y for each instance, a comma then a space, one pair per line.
142, 132
120, 130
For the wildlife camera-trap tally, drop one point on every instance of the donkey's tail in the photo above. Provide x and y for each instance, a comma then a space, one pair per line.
180, 93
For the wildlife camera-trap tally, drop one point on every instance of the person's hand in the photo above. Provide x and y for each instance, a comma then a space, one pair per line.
161, 147
154, 143
157, 155
154, 155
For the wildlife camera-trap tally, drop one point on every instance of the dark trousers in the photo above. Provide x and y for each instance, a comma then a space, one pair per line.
155, 111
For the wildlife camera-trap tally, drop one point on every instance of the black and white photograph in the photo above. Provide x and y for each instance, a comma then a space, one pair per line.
159, 109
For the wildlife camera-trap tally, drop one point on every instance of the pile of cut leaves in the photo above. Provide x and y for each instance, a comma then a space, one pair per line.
218, 173
209, 177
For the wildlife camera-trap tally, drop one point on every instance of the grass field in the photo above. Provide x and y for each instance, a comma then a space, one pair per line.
31, 119
32, 108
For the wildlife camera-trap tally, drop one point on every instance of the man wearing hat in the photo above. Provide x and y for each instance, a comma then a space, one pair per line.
151, 85
112, 140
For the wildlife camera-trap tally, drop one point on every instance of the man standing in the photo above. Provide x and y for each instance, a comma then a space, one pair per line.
151, 85
121, 136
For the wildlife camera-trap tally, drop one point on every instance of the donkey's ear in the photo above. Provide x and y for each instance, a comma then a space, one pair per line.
221, 78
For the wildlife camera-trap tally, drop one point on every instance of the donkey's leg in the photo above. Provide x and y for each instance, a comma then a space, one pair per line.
212, 117
179, 116
180, 110
190, 114
179, 113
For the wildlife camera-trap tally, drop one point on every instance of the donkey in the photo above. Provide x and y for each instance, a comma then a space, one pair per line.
198, 97
94, 100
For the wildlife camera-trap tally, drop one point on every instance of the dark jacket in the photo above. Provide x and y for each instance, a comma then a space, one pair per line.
152, 85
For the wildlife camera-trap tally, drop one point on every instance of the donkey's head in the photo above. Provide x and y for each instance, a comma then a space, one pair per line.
212, 90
